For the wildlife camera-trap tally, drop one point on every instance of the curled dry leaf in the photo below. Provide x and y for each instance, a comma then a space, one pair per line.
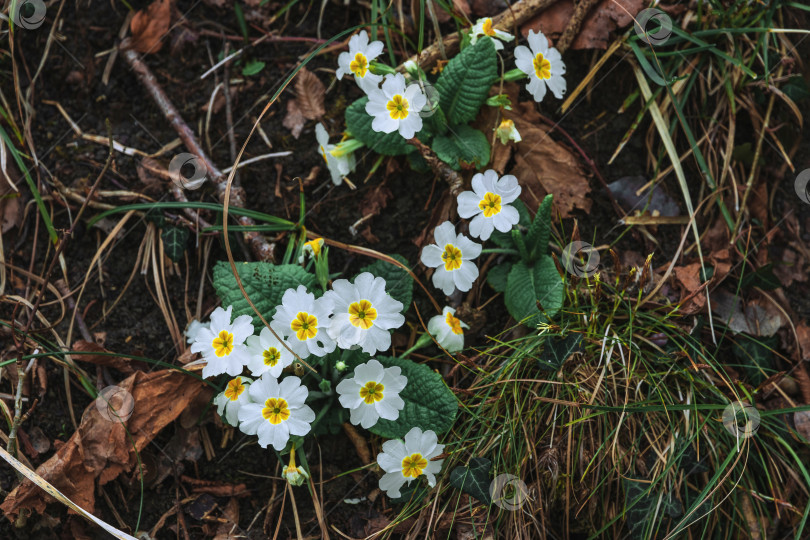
100, 449
150, 27
310, 92
294, 120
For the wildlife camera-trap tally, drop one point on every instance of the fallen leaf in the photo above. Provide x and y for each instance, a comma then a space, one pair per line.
101, 450
626, 192
597, 26
151, 26
116, 362
801, 420
310, 92
758, 318
217, 489
294, 120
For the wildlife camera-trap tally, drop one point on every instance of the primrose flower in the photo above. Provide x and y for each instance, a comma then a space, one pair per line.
231, 400
507, 131
543, 65
294, 475
338, 166
277, 411
311, 249
448, 330
489, 203
451, 256
405, 461
483, 27
372, 393
222, 343
396, 108
267, 354
193, 327
303, 321
363, 313
356, 61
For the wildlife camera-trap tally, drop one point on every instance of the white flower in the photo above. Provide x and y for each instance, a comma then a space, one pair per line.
373, 393
483, 27
303, 321
338, 166
405, 461
231, 400
507, 131
451, 256
363, 313
489, 203
395, 107
311, 249
193, 327
448, 330
267, 354
222, 343
543, 65
277, 411
356, 61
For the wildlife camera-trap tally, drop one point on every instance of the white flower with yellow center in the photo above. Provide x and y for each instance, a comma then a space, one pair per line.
543, 65
310, 250
489, 202
267, 354
231, 400
356, 61
222, 344
372, 393
363, 313
303, 321
448, 330
451, 256
277, 411
338, 166
506, 131
483, 27
406, 461
396, 108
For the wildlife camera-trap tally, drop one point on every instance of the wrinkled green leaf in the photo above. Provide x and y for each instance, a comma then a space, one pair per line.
540, 230
558, 349
646, 514
464, 83
398, 283
462, 144
174, 242
497, 277
473, 479
527, 285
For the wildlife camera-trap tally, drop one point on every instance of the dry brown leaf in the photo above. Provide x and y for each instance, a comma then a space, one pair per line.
597, 26
100, 449
294, 120
116, 362
310, 92
151, 26
801, 420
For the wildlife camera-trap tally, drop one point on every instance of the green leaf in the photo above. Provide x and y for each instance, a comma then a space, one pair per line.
174, 242
558, 349
462, 144
398, 283
464, 83
358, 122
252, 68
473, 479
540, 229
429, 404
265, 284
528, 285
498, 275
764, 278
646, 512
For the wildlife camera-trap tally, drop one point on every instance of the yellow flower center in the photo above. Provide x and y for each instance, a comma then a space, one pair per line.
490, 204
275, 410
234, 389
542, 67
359, 65
315, 245
271, 356
487, 27
451, 257
362, 315
413, 465
454, 323
398, 107
371, 392
305, 326
223, 344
